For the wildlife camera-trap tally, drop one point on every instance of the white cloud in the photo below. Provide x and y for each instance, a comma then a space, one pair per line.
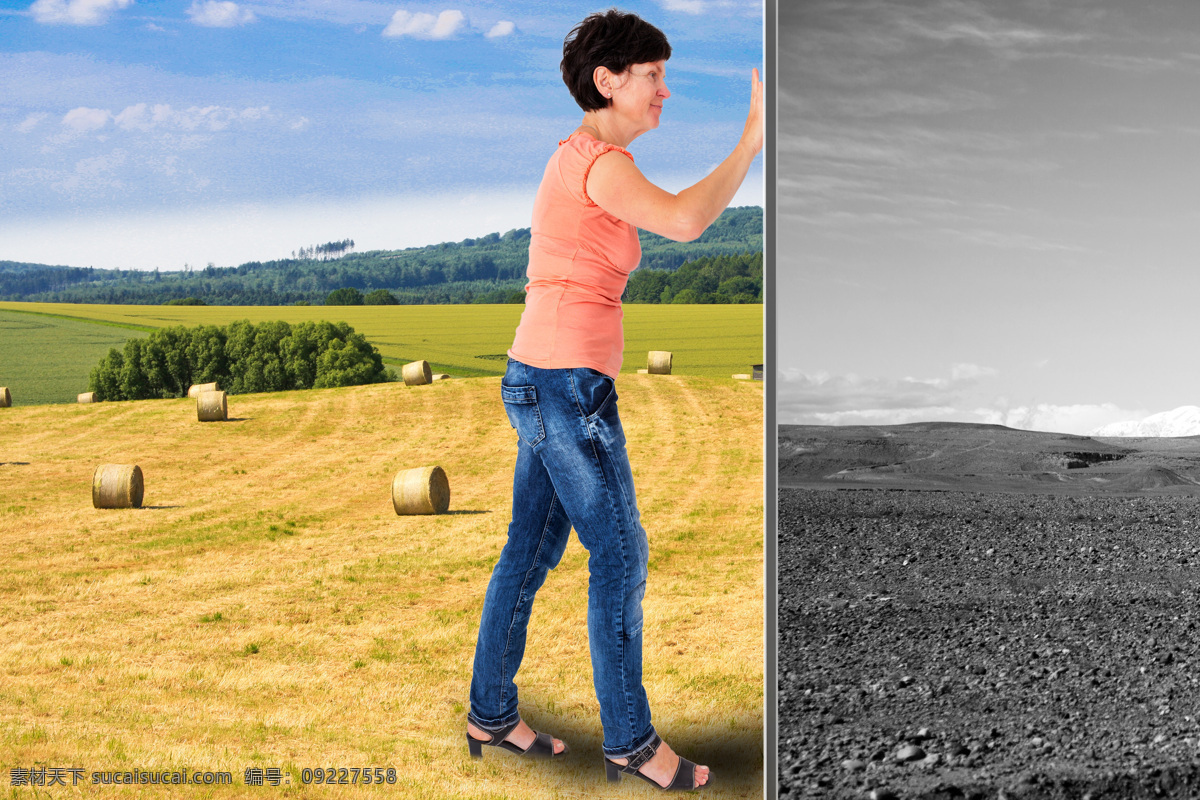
95, 174
686, 6
1079, 418
405, 23
219, 14
423, 25
501, 28
970, 372
887, 416
144, 117
134, 118
76, 12
31, 122
83, 120
447, 23
824, 399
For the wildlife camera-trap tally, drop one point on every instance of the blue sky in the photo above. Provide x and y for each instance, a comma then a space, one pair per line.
987, 211
142, 134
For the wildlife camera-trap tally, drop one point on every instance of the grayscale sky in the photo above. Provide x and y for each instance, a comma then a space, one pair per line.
154, 133
988, 211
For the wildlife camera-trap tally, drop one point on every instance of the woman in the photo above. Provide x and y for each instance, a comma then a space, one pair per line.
572, 469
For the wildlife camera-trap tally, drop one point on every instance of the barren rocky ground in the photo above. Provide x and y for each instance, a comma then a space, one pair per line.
954, 644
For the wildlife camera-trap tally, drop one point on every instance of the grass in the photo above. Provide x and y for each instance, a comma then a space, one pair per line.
712, 341
268, 609
45, 359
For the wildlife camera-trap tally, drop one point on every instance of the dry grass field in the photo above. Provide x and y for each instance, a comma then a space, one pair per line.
267, 608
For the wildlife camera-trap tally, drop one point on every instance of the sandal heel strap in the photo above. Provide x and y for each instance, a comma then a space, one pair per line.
640, 757
497, 740
499, 735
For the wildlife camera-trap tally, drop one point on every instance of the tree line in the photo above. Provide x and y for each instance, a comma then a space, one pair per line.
242, 357
720, 279
325, 251
488, 269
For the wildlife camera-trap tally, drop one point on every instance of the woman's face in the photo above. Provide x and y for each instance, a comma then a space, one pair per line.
639, 92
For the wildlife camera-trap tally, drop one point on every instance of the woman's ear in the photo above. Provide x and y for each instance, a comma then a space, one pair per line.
603, 79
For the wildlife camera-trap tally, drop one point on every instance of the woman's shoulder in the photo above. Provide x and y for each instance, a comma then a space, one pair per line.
574, 159
585, 146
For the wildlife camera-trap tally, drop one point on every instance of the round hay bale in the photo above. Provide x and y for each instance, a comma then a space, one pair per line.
441, 376
85, 397
417, 373
423, 490
117, 486
742, 376
5, 397
643, 372
212, 407
658, 362
196, 388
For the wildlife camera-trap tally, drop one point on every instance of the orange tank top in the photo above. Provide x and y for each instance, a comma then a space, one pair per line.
580, 257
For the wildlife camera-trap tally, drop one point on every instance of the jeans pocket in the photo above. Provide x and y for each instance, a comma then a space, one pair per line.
520, 403
604, 422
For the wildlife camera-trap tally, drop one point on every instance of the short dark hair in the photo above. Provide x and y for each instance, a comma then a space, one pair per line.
612, 39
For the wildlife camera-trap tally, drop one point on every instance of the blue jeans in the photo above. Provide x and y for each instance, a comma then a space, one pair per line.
572, 471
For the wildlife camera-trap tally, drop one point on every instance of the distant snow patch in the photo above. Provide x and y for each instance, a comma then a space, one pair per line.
1183, 421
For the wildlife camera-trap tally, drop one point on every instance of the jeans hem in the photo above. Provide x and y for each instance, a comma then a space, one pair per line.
492, 727
626, 753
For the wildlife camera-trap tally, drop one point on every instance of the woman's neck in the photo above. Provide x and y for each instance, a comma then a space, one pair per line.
603, 128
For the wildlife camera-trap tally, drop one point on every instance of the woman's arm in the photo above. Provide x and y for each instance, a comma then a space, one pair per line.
618, 186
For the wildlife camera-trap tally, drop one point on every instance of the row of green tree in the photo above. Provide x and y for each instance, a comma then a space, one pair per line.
242, 357
721, 279
491, 266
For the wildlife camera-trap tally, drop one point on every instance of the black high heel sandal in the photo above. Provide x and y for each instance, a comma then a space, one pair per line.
683, 780
541, 747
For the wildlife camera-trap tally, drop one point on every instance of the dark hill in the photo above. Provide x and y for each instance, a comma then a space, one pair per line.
945, 455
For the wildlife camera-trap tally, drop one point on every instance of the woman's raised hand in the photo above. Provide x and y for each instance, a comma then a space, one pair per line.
752, 135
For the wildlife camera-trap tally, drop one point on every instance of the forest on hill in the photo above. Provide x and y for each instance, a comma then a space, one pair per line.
724, 265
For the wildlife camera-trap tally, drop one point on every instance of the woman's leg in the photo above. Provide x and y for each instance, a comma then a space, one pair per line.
583, 451
537, 537
573, 468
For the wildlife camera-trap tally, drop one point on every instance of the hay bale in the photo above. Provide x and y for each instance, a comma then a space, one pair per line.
196, 388
423, 490
658, 362
643, 372
85, 397
742, 376
212, 407
5, 397
117, 486
440, 376
417, 373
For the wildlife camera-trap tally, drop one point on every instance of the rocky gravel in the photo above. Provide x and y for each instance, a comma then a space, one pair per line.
988, 645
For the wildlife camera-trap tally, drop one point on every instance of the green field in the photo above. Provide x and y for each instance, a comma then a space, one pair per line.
47, 359
53, 346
